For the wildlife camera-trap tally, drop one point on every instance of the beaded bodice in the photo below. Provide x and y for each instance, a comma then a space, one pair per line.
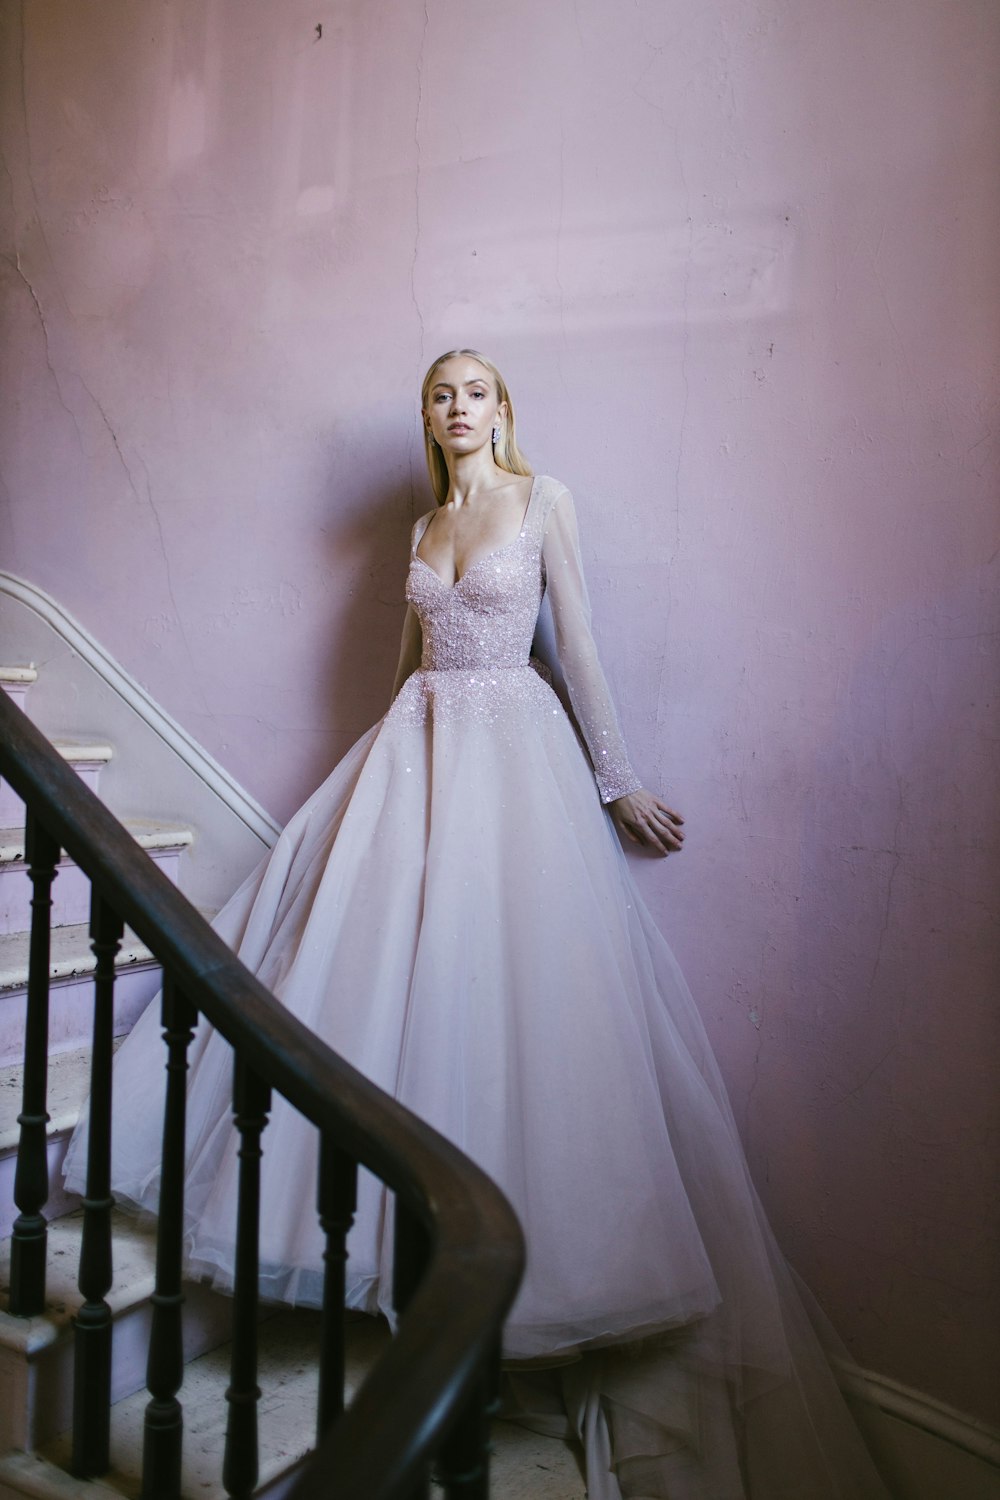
485, 619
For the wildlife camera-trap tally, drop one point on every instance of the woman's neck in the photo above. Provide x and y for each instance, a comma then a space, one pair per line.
470, 475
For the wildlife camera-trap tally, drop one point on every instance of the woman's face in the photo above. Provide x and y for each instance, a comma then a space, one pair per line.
462, 405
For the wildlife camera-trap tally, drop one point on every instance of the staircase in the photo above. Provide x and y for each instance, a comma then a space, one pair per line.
36, 1354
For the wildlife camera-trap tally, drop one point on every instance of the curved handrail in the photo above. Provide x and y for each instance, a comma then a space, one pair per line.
452, 1325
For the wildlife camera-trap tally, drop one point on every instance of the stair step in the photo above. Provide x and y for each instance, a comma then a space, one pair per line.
36, 1354
524, 1463
68, 1086
86, 758
164, 842
70, 955
17, 680
71, 988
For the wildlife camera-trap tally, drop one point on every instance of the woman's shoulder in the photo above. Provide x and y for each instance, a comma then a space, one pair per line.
419, 526
547, 489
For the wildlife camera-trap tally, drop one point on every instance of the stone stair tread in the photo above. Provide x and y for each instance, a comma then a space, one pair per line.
134, 1255
34, 1477
524, 1465
151, 833
68, 1087
69, 954
288, 1379
84, 750
147, 833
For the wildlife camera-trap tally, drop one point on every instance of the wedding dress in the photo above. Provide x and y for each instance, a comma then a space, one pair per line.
452, 912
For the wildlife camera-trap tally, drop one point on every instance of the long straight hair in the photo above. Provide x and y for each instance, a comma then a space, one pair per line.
506, 454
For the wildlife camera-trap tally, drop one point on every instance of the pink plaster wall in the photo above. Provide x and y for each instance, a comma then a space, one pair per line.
738, 263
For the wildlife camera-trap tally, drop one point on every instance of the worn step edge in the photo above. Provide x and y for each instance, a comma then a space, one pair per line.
38, 1479
71, 955
84, 752
148, 835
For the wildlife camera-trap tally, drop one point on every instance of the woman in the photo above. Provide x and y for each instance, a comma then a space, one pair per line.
453, 913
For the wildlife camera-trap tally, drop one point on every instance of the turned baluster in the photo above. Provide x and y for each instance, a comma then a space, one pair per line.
252, 1103
31, 1178
164, 1422
92, 1354
337, 1201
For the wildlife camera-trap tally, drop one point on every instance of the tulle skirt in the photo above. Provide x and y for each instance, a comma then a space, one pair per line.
452, 912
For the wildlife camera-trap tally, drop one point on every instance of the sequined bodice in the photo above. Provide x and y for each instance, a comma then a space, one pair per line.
484, 625
487, 618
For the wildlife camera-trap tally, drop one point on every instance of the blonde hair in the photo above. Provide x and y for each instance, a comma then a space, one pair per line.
506, 454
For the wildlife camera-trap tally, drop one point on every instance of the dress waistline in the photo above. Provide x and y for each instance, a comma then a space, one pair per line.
524, 666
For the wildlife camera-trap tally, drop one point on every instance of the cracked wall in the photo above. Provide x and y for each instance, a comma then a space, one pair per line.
737, 263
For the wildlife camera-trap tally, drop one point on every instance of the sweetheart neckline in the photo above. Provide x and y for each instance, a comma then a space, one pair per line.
486, 556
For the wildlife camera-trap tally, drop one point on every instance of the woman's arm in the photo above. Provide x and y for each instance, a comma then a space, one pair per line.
410, 648
642, 817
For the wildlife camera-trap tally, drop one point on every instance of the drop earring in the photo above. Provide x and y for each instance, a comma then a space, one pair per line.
496, 434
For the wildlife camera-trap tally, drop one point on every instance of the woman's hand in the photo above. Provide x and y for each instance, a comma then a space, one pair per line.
647, 820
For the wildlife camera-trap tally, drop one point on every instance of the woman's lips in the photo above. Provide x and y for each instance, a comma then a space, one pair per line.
459, 427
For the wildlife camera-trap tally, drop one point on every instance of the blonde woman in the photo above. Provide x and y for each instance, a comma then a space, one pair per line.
452, 912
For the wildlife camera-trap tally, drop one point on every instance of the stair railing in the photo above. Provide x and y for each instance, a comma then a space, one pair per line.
458, 1251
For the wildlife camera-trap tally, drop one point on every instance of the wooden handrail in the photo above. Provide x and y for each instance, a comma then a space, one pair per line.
449, 1332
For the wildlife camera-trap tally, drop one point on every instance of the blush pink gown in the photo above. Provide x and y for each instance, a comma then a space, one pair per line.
453, 913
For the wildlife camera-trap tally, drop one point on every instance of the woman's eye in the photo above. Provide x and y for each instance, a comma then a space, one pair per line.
479, 395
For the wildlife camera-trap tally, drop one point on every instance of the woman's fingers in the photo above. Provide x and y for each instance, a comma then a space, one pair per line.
646, 819
668, 833
667, 830
651, 834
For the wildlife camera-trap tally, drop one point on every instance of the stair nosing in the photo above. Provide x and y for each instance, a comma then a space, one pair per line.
148, 834
84, 752
32, 1475
79, 960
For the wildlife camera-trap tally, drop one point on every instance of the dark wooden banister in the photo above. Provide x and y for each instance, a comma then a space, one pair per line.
449, 1334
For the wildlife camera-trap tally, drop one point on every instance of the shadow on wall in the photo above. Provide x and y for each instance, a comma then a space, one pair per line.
366, 542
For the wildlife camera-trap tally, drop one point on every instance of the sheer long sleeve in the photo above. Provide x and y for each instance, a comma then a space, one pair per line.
410, 648
586, 684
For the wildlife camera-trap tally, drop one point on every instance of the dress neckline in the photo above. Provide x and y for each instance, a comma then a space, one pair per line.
487, 556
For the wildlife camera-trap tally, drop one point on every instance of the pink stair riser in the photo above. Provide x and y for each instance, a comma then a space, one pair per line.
70, 892
16, 692
12, 808
71, 1009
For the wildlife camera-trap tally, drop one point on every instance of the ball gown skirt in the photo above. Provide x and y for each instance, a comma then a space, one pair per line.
452, 912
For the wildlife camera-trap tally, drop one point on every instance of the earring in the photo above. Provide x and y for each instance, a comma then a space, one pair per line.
496, 434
